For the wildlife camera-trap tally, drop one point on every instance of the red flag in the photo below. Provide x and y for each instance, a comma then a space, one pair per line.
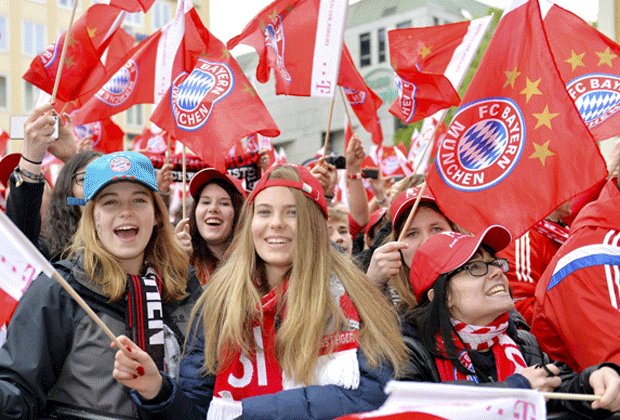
151, 141
155, 62
589, 66
430, 64
131, 5
107, 137
89, 38
257, 142
516, 147
214, 106
393, 162
348, 132
301, 40
364, 102
4, 139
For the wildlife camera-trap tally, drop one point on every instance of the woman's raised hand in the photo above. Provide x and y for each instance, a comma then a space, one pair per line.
385, 262
181, 230
139, 371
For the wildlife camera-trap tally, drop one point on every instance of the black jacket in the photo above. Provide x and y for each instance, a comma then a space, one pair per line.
421, 367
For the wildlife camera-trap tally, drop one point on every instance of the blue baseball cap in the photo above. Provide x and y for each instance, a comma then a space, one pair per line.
113, 167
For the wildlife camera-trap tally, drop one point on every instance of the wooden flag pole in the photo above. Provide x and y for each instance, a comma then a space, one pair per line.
184, 183
412, 212
89, 311
344, 102
329, 125
167, 158
567, 396
62, 54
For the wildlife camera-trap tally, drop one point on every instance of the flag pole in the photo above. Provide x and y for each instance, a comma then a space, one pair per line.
329, 124
62, 54
89, 311
344, 102
412, 212
184, 183
167, 157
570, 396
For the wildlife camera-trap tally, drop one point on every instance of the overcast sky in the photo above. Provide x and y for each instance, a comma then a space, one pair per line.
229, 17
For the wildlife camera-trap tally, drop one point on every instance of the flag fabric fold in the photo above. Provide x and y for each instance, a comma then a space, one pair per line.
589, 65
516, 147
107, 136
301, 40
430, 64
363, 100
133, 6
89, 39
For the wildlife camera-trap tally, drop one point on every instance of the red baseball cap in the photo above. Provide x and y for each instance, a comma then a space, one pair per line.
447, 251
207, 174
309, 185
374, 218
7, 165
404, 201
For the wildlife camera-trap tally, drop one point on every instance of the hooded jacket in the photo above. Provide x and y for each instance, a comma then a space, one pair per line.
576, 316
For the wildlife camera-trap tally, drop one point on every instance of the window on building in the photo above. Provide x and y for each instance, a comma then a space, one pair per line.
33, 38
435, 21
365, 57
133, 19
161, 14
389, 11
4, 91
381, 44
68, 4
405, 24
134, 115
4, 33
31, 93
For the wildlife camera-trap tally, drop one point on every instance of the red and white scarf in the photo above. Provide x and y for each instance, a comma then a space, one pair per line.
259, 373
508, 357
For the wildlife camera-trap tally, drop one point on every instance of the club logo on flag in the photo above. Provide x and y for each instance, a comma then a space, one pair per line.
120, 164
120, 86
92, 129
406, 97
596, 95
49, 55
193, 97
479, 156
355, 97
274, 39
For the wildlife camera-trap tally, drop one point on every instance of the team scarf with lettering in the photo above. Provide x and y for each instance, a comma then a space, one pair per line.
144, 316
259, 373
508, 357
552, 230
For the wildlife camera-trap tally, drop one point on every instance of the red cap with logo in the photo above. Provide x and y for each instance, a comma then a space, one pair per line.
374, 218
404, 201
309, 185
447, 251
207, 174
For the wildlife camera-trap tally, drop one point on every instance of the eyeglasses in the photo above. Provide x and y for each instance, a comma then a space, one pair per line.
78, 177
481, 268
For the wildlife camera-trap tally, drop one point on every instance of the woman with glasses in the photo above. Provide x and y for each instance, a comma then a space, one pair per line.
461, 330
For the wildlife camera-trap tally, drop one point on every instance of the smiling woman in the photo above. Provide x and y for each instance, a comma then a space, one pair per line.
462, 330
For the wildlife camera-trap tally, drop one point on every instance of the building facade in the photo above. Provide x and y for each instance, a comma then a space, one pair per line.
304, 121
27, 27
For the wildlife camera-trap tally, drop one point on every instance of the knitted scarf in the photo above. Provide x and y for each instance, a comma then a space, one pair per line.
144, 317
259, 373
508, 357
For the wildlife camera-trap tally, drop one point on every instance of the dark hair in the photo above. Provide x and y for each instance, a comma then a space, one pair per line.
432, 318
202, 255
63, 219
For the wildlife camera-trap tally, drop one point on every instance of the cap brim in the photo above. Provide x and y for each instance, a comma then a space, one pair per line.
495, 236
204, 176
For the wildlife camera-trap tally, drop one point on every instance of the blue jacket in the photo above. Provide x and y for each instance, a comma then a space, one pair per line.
192, 394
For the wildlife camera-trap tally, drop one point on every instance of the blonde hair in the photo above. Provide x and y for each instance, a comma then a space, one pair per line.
162, 252
229, 307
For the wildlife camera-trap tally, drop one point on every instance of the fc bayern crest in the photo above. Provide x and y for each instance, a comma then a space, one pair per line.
597, 96
355, 97
274, 41
120, 164
406, 97
193, 97
90, 129
483, 144
120, 86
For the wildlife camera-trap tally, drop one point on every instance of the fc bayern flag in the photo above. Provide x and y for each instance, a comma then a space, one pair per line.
589, 64
362, 99
213, 107
107, 137
88, 40
130, 5
301, 40
146, 75
430, 64
516, 147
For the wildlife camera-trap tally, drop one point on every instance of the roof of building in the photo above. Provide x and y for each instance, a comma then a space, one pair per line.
365, 11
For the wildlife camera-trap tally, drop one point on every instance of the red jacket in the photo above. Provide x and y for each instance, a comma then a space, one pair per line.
576, 316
